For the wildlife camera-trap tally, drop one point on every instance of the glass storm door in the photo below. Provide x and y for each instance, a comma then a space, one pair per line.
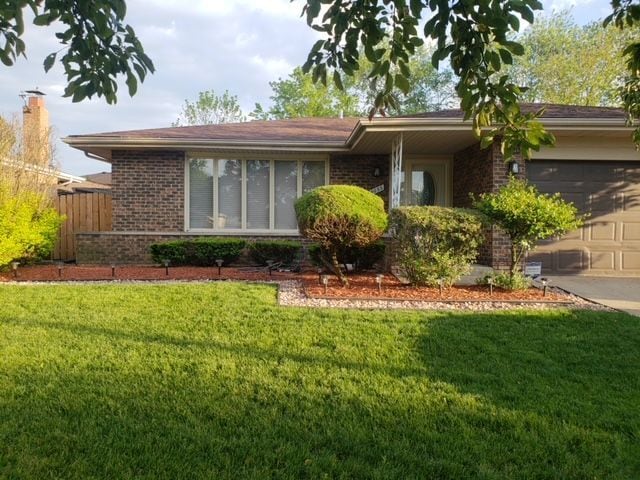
427, 184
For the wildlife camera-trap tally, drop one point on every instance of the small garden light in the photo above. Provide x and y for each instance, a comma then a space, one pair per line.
113, 270
166, 262
325, 282
14, 267
379, 282
544, 281
219, 263
440, 285
319, 276
490, 282
270, 267
60, 266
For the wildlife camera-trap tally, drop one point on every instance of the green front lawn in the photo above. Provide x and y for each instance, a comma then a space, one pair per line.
214, 381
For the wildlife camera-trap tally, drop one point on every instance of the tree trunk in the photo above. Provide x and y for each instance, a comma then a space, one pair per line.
337, 270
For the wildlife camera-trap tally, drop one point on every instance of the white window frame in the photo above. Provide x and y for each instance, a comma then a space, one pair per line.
300, 159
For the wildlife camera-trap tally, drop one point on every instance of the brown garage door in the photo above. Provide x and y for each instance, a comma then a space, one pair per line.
609, 243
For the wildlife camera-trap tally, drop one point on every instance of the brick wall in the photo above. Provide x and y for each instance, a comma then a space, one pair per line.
358, 170
148, 190
477, 171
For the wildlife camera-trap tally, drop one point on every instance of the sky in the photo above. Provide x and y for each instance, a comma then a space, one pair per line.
196, 45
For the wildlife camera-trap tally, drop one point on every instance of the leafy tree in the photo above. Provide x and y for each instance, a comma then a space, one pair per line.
625, 16
339, 217
98, 47
28, 224
299, 96
571, 64
476, 38
527, 216
210, 109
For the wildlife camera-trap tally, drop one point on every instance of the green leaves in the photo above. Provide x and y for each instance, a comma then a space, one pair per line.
475, 37
99, 48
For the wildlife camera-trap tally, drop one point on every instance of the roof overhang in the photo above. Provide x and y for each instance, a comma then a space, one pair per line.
421, 135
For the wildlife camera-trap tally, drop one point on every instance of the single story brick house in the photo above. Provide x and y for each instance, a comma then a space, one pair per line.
242, 179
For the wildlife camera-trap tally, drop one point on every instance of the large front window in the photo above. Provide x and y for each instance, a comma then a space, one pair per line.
255, 195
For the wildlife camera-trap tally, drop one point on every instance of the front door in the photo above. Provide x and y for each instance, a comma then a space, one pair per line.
424, 182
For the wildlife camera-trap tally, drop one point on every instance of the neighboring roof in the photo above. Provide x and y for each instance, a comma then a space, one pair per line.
103, 178
550, 111
82, 187
302, 129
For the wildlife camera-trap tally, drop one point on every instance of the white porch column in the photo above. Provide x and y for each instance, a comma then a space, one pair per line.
396, 170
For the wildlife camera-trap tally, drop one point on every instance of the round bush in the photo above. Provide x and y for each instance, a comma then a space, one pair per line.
338, 217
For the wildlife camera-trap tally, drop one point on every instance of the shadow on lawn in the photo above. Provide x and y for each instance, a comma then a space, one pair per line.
483, 396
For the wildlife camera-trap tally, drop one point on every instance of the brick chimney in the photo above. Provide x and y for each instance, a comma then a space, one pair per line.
35, 130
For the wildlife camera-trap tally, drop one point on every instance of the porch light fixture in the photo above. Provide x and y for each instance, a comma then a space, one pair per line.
113, 270
514, 168
14, 267
325, 282
544, 282
219, 263
379, 282
165, 263
60, 266
376, 172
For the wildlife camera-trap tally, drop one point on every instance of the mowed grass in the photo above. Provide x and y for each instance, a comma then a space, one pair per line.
215, 381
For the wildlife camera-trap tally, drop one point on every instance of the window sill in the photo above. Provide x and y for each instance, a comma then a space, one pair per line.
245, 233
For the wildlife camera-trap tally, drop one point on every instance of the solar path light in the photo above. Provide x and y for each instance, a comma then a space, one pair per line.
219, 263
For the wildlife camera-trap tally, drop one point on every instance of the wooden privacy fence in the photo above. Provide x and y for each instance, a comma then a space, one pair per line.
85, 212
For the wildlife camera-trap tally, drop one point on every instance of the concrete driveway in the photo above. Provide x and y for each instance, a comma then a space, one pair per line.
621, 293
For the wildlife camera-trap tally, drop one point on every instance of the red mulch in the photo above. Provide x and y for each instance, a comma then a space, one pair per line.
362, 286
365, 287
48, 273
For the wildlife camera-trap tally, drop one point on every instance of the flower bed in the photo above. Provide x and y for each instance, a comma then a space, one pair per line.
365, 287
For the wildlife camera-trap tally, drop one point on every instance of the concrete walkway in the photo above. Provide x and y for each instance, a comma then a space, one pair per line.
621, 293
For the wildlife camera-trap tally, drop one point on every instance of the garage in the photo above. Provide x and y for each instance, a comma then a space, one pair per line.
609, 242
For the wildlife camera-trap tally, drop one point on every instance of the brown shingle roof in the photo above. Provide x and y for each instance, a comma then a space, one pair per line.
551, 111
295, 129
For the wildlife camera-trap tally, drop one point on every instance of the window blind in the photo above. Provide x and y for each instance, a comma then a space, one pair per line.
258, 194
286, 192
200, 193
229, 194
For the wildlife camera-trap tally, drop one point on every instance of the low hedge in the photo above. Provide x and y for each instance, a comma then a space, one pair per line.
274, 250
199, 252
436, 243
364, 258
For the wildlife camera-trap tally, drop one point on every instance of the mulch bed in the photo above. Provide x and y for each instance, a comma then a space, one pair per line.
364, 287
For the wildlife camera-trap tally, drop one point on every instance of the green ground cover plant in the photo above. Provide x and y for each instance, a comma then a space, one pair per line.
191, 381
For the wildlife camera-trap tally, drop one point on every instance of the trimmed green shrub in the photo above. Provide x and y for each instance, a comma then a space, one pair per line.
199, 252
339, 217
507, 281
527, 216
364, 258
275, 250
28, 230
435, 243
